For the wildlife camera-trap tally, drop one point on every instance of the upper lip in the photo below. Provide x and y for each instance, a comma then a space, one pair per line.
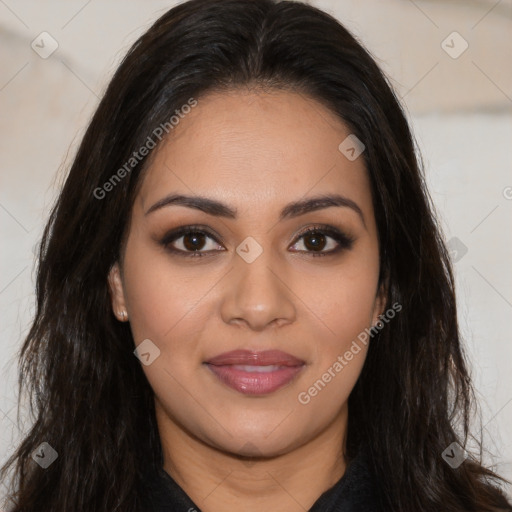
255, 358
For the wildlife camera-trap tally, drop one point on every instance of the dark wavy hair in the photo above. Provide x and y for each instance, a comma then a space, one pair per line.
90, 399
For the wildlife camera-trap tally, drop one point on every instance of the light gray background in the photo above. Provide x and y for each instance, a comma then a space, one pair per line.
460, 109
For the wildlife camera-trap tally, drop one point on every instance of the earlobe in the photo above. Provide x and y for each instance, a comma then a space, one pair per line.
116, 288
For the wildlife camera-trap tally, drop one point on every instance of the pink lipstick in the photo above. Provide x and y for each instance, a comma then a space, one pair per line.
255, 373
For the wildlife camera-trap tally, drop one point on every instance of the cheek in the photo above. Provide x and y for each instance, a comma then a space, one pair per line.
342, 300
160, 296
168, 304
343, 304
164, 304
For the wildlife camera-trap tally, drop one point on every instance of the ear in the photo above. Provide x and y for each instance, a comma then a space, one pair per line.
115, 283
380, 303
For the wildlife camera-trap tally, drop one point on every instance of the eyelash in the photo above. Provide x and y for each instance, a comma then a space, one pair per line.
345, 242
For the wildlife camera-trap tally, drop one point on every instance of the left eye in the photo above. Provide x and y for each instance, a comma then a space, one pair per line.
315, 240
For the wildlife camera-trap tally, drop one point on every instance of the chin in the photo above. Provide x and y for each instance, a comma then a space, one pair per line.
259, 440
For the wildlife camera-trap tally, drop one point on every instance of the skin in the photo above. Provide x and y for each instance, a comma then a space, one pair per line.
255, 151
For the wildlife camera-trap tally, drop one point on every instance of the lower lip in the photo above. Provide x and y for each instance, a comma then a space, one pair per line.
255, 383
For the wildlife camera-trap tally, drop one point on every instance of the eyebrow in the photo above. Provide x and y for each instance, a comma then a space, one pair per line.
290, 211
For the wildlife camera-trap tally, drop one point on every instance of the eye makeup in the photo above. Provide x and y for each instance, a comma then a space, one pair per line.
195, 235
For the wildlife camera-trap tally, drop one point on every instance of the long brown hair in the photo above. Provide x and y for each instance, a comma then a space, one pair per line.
91, 400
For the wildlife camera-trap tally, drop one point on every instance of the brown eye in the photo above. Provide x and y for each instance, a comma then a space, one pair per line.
324, 241
190, 241
314, 240
194, 241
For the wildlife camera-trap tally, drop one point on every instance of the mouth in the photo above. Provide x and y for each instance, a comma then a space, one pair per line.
255, 373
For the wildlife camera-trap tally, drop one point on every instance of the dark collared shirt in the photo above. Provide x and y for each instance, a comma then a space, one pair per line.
356, 491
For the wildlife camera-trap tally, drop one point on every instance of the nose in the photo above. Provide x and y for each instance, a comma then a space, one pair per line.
257, 295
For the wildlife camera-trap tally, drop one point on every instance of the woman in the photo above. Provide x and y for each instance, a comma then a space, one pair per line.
243, 298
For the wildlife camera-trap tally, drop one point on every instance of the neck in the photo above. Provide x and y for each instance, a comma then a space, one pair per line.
218, 480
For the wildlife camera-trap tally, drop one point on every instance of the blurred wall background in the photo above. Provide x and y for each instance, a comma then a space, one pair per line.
451, 63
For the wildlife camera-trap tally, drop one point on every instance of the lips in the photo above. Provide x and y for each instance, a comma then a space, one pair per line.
255, 373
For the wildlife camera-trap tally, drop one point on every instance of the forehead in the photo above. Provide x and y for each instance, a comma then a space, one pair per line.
252, 149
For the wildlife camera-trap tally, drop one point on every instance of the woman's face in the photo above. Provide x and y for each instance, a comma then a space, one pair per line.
217, 303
